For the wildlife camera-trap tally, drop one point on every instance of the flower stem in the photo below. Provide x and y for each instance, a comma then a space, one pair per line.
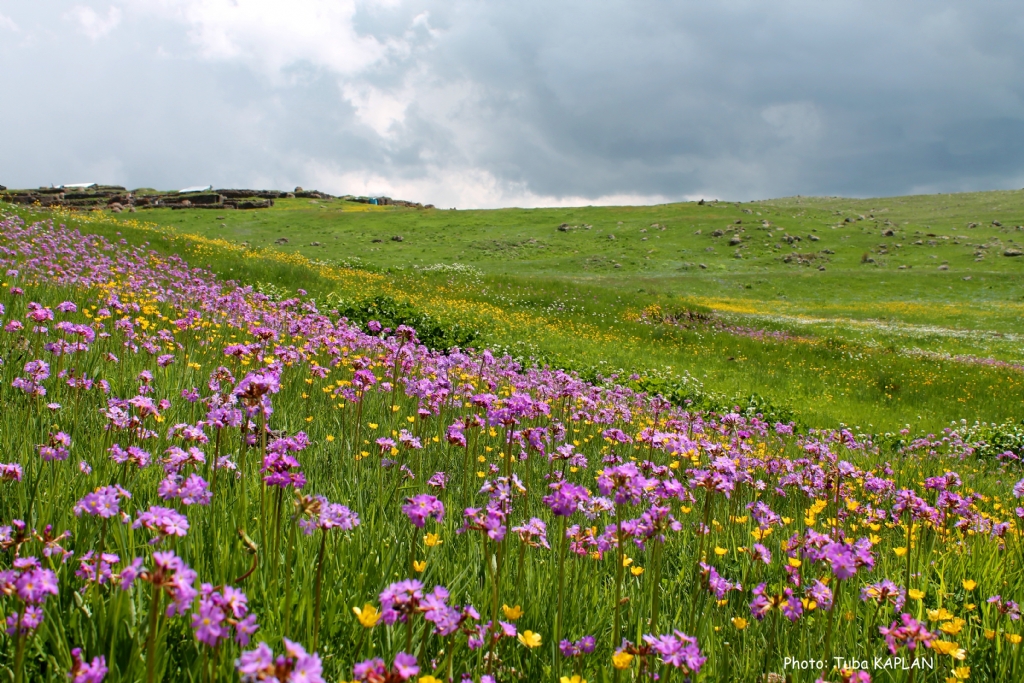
317, 588
154, 622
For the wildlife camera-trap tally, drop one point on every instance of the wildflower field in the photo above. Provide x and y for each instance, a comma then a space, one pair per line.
202, 481
914, 319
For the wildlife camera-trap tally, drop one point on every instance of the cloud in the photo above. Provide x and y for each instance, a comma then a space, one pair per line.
92, 24
8, 23
463, 103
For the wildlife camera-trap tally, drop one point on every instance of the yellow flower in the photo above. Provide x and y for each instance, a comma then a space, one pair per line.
622, 660
901, 551
574, 679
429, 679
373, 425
970, 584
794, 562
989, 634
761, 534
626, 561
330, 438
945, 647
419, 566
962, 673
720, 551
1013, 638
940, 614
636, 571
739, 622
512, 613
431, 540
915, 594
953, 627
368, 616
529, 639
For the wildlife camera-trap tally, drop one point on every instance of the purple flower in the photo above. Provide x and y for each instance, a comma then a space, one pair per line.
220, 612
319, 513
566, 498
422, 507
399, 600
165, 521
910, 633
533, 533
87, 672
678, 650
103, 502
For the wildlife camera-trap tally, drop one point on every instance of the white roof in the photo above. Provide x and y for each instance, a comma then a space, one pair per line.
196, 188
79, 185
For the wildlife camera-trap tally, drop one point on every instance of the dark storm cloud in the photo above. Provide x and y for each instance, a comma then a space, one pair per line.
472, 103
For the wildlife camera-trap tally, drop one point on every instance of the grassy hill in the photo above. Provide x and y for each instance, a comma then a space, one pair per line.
876, 313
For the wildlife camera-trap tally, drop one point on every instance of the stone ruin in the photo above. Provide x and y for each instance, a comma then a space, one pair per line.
117, 198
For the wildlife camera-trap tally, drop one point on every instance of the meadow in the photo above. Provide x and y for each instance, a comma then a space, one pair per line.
207, 479
876, 314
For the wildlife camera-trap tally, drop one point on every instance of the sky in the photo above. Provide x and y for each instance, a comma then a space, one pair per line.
477, 104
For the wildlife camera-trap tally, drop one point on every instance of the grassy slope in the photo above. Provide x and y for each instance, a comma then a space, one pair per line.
856, 325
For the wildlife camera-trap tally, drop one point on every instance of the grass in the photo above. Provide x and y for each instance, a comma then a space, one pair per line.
166, 340
872, 340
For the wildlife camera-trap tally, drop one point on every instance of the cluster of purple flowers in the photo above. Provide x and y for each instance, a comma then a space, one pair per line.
908, 632
421, 507
31, 584
677, 650
164, 521
294, 666
222, 611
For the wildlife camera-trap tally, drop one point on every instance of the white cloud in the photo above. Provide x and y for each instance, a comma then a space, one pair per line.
376, 108
273, 34
8, 23
92, 24
464, 189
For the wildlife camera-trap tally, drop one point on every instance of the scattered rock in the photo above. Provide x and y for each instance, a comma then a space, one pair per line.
220, 218
397, 238
888, 232
813, 238
821, 267
701, 203
717, 233
611, 237
281, 240
943, 267
735, 240
972, 225
299, 189
966, 277
698, 232
997, 224
827, 251
377, 241
1013, 252
701, 265
314, 244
